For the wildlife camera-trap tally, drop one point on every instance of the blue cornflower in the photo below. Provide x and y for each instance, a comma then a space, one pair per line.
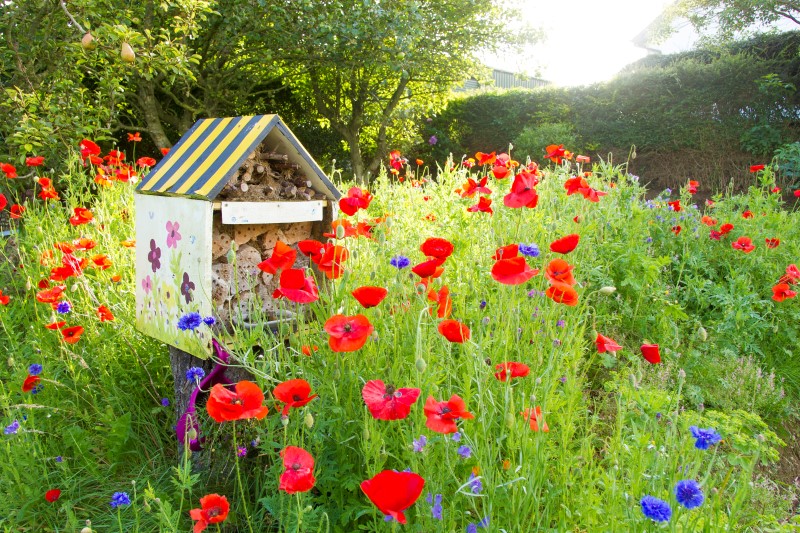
189, 321
464, 451
37, 389
165, 402
457, 436
483, 304
475, 484
688, 493
656, 509
120, 498
35, 369
209, 321
530, 250
483, 524
63, 308
706, 437
400, 261
420, 443
648, 239
59, 459
12, 428
436, 505
195, 374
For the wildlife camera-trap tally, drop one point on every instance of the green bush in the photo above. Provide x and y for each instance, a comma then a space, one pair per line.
533, 140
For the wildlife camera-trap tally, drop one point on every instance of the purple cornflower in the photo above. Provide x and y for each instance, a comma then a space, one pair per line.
457, 436
483, 304
420, 443
189, 321
464, 451
195, 374
241, 451
475, 484
12, 428
165, 402
436, 505
63, 308
119, 499
655, 509
433, 140
706, 437
530, 250
648, 239
688, 493
563, 379
400, 262
35, 369
483, 524
561, 324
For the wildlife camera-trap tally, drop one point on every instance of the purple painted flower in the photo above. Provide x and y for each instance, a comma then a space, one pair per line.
172, 234
147, 284
154, 256
186, 287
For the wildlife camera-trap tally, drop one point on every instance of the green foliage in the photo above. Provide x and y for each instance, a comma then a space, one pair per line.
533, 139
729, 17
787, 163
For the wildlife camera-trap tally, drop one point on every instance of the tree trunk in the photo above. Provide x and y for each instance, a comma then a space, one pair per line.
149, 105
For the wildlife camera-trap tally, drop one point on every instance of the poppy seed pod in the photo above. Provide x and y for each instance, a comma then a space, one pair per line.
126, 53
309, 420
607, 290
340, 232
702, 333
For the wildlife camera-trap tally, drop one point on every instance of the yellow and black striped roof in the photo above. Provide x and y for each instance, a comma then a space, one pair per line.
207, 156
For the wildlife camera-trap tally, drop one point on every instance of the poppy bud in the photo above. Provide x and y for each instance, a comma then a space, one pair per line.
28, 284
421, 365
146, 506
10, 361
285, 420
382, 239
509, 420
309, 420
231, 256
702, 333
192, 434
87, 41
607, 290
340, 232
88, 528
365, 433
126, 53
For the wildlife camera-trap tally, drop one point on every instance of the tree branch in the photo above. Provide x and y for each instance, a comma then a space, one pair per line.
75, 22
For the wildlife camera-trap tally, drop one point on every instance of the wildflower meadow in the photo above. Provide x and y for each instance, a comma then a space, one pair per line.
481, 344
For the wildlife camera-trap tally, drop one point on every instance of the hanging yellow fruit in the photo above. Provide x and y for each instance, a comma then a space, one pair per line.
87, 42
126, 53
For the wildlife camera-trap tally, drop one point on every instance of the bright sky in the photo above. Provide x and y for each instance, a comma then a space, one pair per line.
587, 40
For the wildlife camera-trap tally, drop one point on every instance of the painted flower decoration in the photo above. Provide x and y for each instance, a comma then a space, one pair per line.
187, 286
348, 333
441, 416
154, 256
225, 405
393, 492
387, 402
298, 475
213, 510
173, 235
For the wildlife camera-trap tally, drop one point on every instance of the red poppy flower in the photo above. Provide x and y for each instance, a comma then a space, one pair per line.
708, 221
500, 171
436, 247
81, 216
756, 168
309, 349
225, 405
393, 492
650, 353
49, 193
296, 287
511, 370
88, 148
3, 202
714, 235
744, 244
72, 334
213, 510
101, 261
676, 230
369, 296
4, 299
134, 137
9, 170
56, 325
513, 271
676, 205
725, 229
444, 305
164, 151
396, 161
797, 193
454, 331
523, 192
691, 187
563, 294
348, 230
565, 245
556, 153
559, 271
472, 187
30, 382
298, 475
388, 403
312, 249
792, 274
283, 257
429, 269
486, 159
781, 292
332, 259
145, 162
747, 214
772, 243
442, 416
52, 495
534, 418
104, 313
49, 296
575, 185
484, 205
606, 344
356, 199
506, 252
16, 211
36, 161
348, 333
293, 393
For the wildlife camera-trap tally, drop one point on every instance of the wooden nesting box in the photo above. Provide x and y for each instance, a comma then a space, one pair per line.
213, 209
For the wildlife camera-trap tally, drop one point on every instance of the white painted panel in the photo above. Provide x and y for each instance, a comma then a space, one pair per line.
270, 212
